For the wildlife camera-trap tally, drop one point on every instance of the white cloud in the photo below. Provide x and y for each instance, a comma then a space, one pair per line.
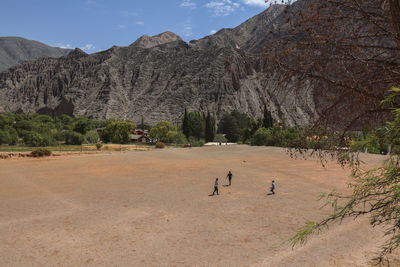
140, 23
121, 26
88, 47
65, 46
213, 31
260, 3
222, 7
187, 30
188, 4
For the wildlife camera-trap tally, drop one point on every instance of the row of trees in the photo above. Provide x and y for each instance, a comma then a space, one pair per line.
197, 128
43, 130
239, 127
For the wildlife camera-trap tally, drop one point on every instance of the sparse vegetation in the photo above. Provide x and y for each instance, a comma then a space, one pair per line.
160, 145
40, 152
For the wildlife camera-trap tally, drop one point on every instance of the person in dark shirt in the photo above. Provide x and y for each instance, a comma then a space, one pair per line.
215, 186
273, 187
229, 177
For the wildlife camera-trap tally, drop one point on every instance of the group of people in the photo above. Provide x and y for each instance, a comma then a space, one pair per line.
229, 176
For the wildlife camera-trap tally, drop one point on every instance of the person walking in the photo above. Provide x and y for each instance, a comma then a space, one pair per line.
273, 187
229, 175
215, 186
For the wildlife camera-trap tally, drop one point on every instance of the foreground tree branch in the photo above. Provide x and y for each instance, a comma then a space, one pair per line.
349, 51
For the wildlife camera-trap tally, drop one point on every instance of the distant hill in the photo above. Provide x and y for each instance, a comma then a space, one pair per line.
14, 50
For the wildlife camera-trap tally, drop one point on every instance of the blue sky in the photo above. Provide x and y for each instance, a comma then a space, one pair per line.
95, 25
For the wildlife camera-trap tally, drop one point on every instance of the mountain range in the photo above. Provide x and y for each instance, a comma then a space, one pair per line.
158, 77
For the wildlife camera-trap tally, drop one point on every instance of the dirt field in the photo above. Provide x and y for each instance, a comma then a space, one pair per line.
151, 208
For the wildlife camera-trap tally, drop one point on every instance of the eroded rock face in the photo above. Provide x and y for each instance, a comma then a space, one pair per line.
157, 77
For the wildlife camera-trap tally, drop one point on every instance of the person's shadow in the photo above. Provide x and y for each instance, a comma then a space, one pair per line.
270, 194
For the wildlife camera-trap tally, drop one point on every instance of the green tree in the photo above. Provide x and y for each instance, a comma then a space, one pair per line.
65, 122
229, 126
210, 128
160, 131
242, 119
170, 137
180, 139
82, 125
4, 137
4, 121
35, 139
13, 136
92, 137
268, 122
73, 138
142, 123
185, 125
118, 131
196, 124
24, 126
263, 137
247, 133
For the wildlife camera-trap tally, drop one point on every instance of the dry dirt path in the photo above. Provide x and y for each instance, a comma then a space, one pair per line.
152, 209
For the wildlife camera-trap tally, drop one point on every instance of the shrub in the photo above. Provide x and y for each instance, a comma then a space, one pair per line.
193, 140
92, 137
40, 152
180, 139
262, 137
200, 142
160, 145
220, 138
170, 137
73, 138
98, 146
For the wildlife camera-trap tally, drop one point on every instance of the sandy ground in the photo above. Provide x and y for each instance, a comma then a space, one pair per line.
151, 208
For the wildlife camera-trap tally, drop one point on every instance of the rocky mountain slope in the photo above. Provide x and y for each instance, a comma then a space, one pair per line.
157, 77
14, 50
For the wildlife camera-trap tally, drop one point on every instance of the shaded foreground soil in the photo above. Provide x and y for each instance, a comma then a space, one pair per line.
151, 208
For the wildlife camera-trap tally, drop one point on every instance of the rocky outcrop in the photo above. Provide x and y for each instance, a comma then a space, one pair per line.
158, 77
148, 42
14, 50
